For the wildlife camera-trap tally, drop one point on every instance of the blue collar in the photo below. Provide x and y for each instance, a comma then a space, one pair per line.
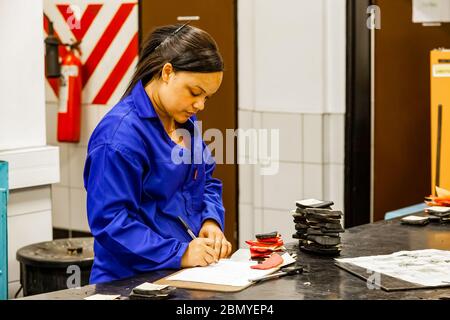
142, 102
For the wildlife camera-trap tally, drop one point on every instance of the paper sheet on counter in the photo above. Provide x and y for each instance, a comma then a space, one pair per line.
424, 267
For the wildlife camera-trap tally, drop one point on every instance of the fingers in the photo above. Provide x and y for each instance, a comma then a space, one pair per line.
227, 248
218, 247
207, 257
214, 249
207, 242
201, 252
208, 260
223, 248
209, 247
215, 245
212, 253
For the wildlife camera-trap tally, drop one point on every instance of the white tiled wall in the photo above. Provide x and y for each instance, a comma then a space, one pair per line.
335, 55
246, 172
334, 184
61, 214
288, 57
247, 221
78, 213
311, 166
89, 119
258, 221
246, 67
313, 138
290, 128
281, 188
292, 78
77, 157
69, 196
64, 162
278, 220
334, 138
312, 181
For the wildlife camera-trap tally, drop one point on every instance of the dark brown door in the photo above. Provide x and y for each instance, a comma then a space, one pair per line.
218, 18
402, 106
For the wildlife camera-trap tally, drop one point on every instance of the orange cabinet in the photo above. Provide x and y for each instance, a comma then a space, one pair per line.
440, 96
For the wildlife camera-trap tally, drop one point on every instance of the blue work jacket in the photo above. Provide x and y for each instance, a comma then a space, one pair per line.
135, 191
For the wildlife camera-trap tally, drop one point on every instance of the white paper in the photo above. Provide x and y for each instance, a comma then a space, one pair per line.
424, 267
439, 209
309, 202
225, 272
241, 255
287, 260
425, 11
414, 218
441, 70
103, 297
151, 286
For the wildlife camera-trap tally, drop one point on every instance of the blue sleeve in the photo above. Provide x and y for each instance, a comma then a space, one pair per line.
213, 193
113, 180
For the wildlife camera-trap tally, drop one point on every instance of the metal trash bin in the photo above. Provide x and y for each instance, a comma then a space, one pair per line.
55, 265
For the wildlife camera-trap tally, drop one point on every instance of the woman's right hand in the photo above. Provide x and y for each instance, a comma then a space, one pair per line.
199, 253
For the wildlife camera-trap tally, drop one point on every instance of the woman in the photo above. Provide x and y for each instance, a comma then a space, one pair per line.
136, 192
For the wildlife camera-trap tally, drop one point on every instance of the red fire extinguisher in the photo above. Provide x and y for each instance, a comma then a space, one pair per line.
69, 110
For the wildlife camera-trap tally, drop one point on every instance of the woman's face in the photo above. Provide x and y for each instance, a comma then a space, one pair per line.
183, 94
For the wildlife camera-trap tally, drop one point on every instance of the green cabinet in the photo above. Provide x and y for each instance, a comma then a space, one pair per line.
3, 231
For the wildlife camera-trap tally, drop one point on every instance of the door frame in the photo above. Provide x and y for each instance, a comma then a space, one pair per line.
358, 117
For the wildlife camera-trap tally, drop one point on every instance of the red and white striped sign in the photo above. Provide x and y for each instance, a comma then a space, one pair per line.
108, 31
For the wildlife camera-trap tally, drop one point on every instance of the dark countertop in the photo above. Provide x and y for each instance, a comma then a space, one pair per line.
326, 280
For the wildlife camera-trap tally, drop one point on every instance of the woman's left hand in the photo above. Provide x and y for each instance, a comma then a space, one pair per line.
210, 229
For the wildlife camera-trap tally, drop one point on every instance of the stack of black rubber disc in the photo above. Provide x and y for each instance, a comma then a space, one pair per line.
318, 227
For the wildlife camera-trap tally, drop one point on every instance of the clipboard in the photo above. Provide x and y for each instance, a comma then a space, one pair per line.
205, 286
202, 285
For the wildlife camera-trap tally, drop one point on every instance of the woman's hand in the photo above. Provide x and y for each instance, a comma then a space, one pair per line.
211, 230
199, 253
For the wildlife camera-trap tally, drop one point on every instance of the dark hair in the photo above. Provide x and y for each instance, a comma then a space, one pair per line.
187, 48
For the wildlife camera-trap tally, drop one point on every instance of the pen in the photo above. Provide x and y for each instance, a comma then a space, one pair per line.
187, 228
